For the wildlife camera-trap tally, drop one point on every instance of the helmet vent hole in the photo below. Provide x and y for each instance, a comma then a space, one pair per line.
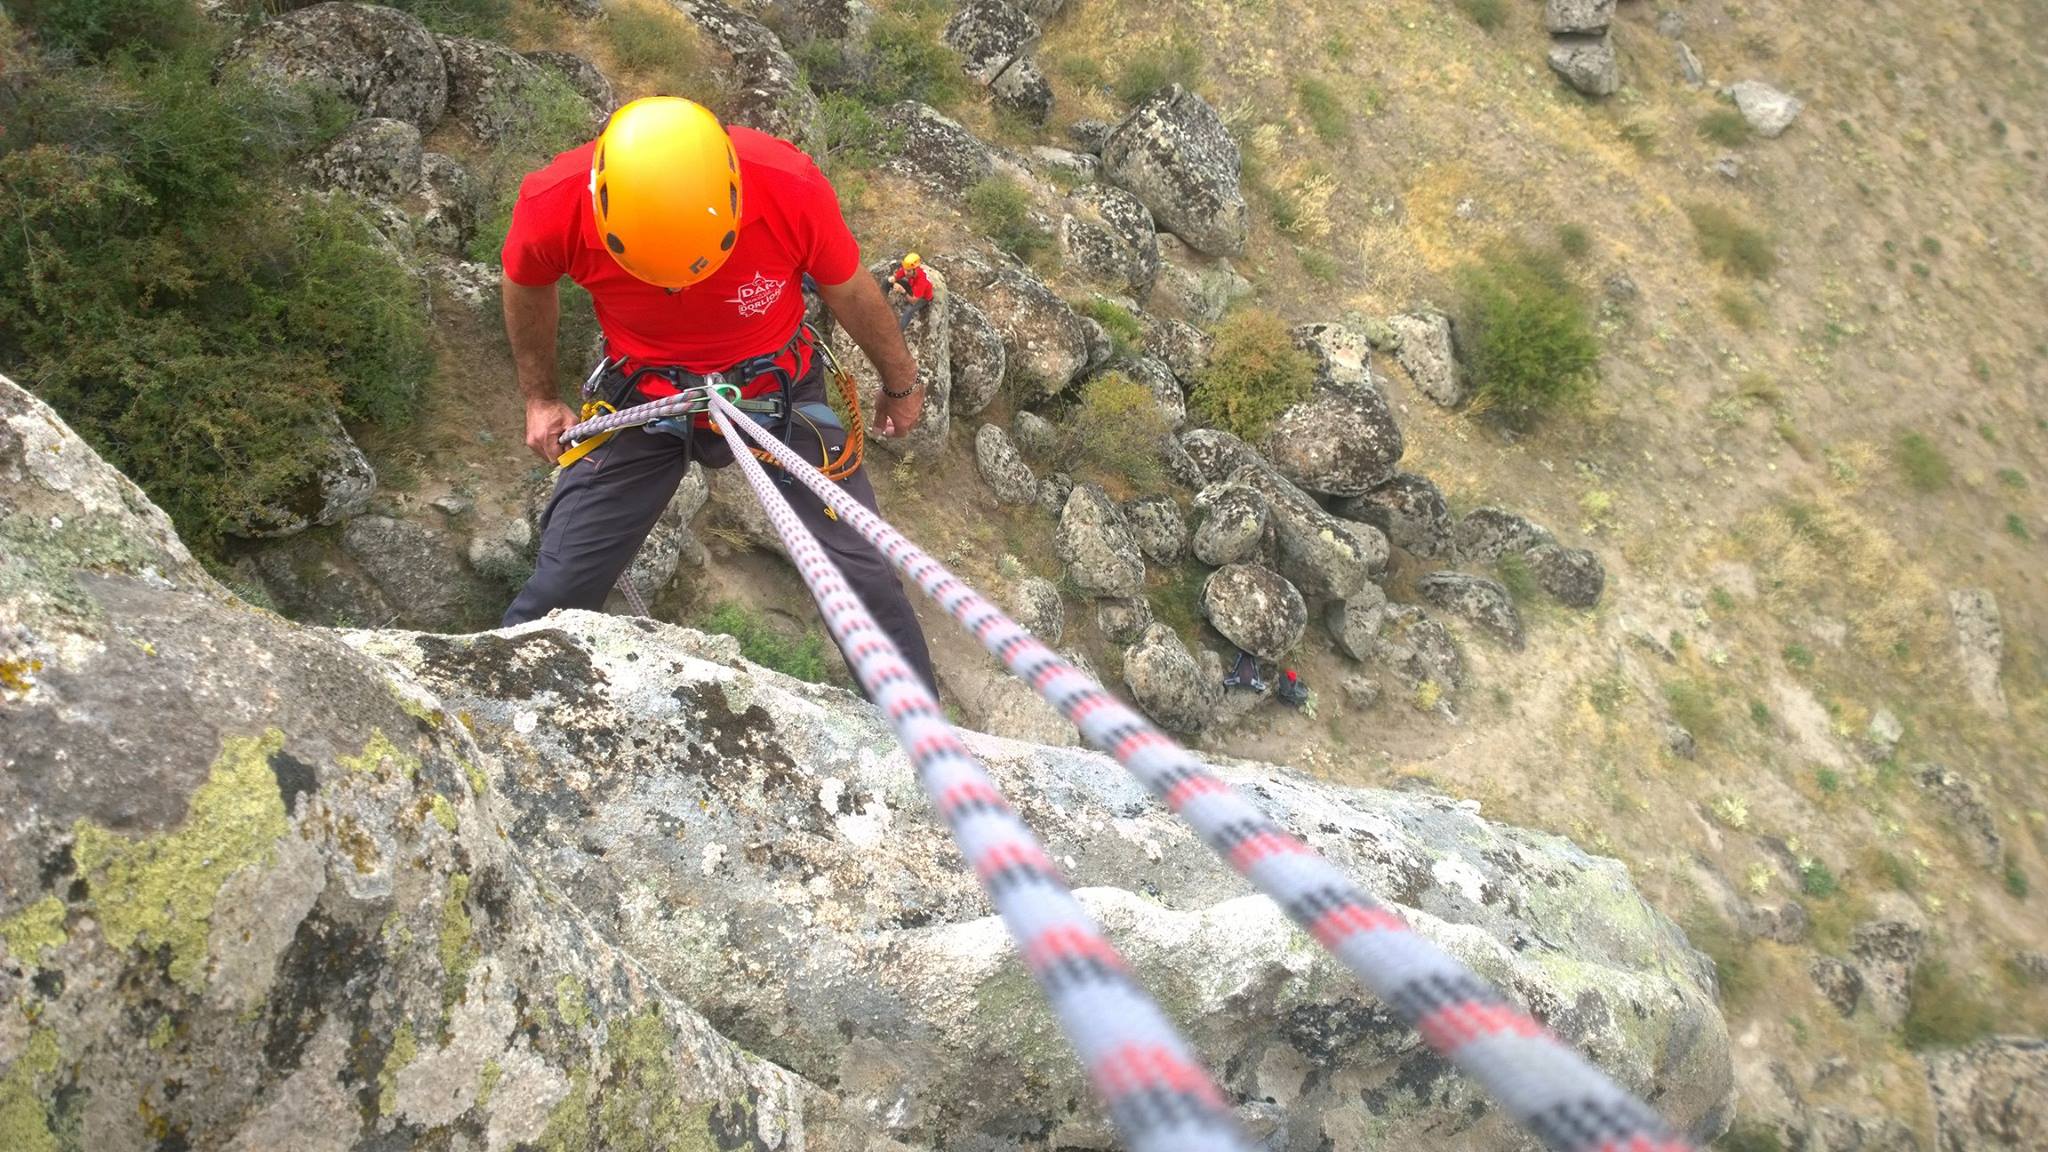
604, 199
612, 241
600, 161
733, 193
725, 245
701, 264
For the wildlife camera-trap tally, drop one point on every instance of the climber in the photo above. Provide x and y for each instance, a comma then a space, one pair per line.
692, 240
1245, 673
910, 290
1292, 690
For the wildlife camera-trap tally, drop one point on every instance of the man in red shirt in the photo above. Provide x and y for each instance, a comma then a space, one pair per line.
693, 241
910, 282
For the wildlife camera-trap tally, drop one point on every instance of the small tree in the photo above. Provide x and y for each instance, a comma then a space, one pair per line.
1528, 335
1255, 373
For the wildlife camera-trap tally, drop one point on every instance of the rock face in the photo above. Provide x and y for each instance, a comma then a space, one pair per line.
1410, 509
1008, 476
1045, 345
1974, 824
1993, 1095
300, 887
1159, 527
1093, 542
1587, 63
933, 149
415, 565
978, 359
1980, 646
1572, 576
1476, 599
1487, 534
491, 88
1427, 354
768, 90
1887, 952
1173, 153
1256, 609
1167, 683
1768, 110
1339, 444
377, 157
381, 60
243, 858
1107, 235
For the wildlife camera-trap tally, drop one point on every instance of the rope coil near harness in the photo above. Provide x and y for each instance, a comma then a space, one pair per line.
1159, 1097
1544, 1084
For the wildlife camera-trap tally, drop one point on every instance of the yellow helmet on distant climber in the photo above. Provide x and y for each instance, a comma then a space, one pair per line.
665, 188
912, 260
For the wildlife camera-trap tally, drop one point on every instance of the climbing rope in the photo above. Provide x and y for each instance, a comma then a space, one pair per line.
1544, 1084
1158, 1095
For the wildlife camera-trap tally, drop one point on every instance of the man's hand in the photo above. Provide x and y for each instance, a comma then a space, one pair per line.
862, 311
899, 417
546, 420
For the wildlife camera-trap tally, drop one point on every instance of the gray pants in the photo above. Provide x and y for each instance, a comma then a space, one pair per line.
606, 503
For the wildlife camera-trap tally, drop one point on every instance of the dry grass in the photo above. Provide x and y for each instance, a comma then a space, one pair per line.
1824, 554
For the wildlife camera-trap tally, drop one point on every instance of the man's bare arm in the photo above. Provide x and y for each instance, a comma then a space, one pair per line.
531, 318
859, 307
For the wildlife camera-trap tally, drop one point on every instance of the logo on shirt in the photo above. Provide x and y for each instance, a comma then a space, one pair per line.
758, 295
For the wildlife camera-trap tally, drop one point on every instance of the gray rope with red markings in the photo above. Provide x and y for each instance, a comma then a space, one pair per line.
1157, 1093
1545, 1084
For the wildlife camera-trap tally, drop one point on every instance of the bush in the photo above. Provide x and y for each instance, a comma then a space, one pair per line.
1149, 73
662, 48
1574, 241
1117, 431
1517, 578
1817, 880
1725, 240
96, 29
1002, 208
1944, 1012
1737, 307
1125, 331
1488, 14
1528, 335
1324, 108
1750, 1136
1254, 374
761, 642
2016, 526
905, 60
1725, 126
850, 136
485, 18
1925, 467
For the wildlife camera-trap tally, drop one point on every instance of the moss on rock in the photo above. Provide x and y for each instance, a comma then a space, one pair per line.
24, 1124
34, 929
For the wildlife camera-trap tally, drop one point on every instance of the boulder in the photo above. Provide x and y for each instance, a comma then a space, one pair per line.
1787, 923
1361, 692
1572, 576
1096, 545
312, 581
1321, 554
1218, 454
1066, 164
989, 36
1107, 235
1585, 17
1980, 646
1179, 345
797, 21
1887, 953
1158, 526
1840, 984
452, 203
1881, 738
1475, 599
1967, 812
1410, 509
1256, 609
977, 356
1034, 434
582, 76
1167, 683
1587, 63
930, 338
1487, 534
934, 150
417, 566
1053, 491
1419, 649
502, 552
1689, 67
1336, 443
1008, 476
1428, 355
492, 89
1768, 110
1230, 524
1122, 621
1991, 1096
1174, 154
1088, 135
262, 881
1045, 344
671, 543
1023, 90
1035, 603
1343, 356
1197, 287
1160, 381
377, 157
382, 61
765, 89
1355, 624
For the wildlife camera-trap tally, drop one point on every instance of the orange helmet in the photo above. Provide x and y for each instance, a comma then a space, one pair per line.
665, 186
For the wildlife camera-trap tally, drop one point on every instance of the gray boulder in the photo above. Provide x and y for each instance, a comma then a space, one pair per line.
1230, 524
1008, 476
1065, 163
1167, 683
1419, 649
989, 36
1179, 345
765, 89
1160, 529
1035, 603
377, 157
502, 552
1173, 153
1980, 646
1096, 545
1578, 16
1410, 509
1476, 599
1034, 434
1487, 534
1768, 110
1355, 624
1323, 555
1123, 621
1336, 443
1343, 356
417, 566
1218, 454
1991, 1096
1255, 608
1428, 354
492, 89
1887, 952
382, 61
930, 338
1045, 344
797, 21
1023, 90
310, 580
1572, 576
1053, 491
583, 76
1160, 381
1587, 63
671, 543
978, 359
1107, 235
1840, 984
1971, 817
1196, 287
934, 150
1088, 135
452, 203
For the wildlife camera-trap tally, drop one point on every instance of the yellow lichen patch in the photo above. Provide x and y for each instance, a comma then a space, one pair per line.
405, 1048
487, 1083
24, 1126
158, 892
37, 927
381, 758
444, 813
456, 948
570, 1003
478, 782
19, 675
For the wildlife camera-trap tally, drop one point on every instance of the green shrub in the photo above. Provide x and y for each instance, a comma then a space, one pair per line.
1799, 656
1574, 241
1726, 240
1147, 74
1527, 334
906, 60
1725, 126
2013, 478
1738, 308
1930, 245
1254, 374
1516, 577
801, 656
1693, 709
1945, 1012
850, 136
1488, 14
1324, 108
1830, 781
95, 29
661, 47
1126, 333
1924, 465
1817, 880
1117, 431
2016, 526
2015, 879
1759, 714
1002, 209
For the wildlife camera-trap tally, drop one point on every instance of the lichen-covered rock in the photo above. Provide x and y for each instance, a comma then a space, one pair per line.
989, 36
1035, 603
1045, 344
1487, 534
1193, 286
1477, 600
1218, 454
492, 89
930, 338
1428, 355
766, 88
1034, 434
1768, 110
1230, 524
1980, 646
1174, 154
1168, 684
382, 61
311, 580
451, 201
1343, 356
1587, 63
1967, 811
1572, 576
1256, 609
502, 552
1160, 381
1991, 1096
1008, 476
1053, 491
1355, 624
1419, 649
1076, 167
933, 149
1107, 235
377, 156
1337, 443
1887, 953
1323, 555
978, 359
1023, 90
417, 566
797, 21
1123, 621
1840, 984
1159, 528
1179, 345
583, 76
1410, 509
1580, 16
1096, 545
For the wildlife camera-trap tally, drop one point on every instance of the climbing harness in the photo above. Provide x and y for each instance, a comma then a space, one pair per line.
1245, 673
1157, 1096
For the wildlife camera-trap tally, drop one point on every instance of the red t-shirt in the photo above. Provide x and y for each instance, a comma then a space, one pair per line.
915, 282
790, 225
